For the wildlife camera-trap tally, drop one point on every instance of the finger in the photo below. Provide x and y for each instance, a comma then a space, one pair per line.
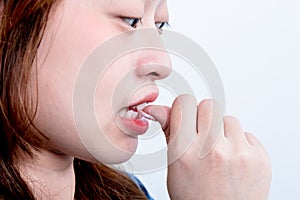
183, 119
233, 130
204, 116
209, 126
161, 114
252, 140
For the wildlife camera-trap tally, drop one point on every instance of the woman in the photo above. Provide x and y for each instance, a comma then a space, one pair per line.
43, 45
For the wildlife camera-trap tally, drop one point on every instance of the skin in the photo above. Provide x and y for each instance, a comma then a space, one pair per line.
75, 29
238, 166
60, 62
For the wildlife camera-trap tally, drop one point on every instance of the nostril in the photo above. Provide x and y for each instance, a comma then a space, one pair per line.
154, 71
153, 74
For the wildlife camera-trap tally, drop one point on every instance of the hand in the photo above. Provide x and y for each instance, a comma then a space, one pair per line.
236, 168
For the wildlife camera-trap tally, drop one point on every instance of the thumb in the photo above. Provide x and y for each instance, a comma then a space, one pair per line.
161, 114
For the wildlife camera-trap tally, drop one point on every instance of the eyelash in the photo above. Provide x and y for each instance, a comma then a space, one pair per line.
131, 21
162, 25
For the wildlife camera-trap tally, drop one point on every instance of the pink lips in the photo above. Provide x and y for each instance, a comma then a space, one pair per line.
135, 127
150, 97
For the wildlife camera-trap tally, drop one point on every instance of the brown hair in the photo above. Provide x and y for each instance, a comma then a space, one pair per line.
23, 23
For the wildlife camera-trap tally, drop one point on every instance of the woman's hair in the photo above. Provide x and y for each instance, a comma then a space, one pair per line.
22, 25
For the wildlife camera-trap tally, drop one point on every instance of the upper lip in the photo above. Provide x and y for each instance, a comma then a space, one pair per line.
149, 97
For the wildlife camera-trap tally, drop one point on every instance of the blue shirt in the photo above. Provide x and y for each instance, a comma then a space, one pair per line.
141, 186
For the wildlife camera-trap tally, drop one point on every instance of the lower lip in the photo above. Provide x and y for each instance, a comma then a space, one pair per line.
134, 127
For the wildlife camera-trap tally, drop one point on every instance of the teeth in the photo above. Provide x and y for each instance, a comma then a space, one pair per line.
141, 106
131, 114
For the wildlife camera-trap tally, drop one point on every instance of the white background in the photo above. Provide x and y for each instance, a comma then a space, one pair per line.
255, 45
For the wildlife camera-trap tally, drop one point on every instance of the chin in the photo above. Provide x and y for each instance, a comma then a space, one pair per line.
122, 150
128, 148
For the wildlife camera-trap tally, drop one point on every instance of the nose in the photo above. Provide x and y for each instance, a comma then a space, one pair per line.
154, 64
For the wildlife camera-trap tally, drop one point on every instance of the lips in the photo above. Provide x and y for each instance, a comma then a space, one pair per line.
150, 97
132, 120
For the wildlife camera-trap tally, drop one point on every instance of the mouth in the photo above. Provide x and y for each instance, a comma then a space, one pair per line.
135, 112
133, 119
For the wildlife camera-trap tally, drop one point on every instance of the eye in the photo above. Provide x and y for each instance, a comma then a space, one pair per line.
162, 25
131, 21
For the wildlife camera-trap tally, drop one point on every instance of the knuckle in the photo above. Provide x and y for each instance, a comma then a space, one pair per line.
217, 156
232, 126
250, 135
265, 161
244, 160
185, 98
249, 161
206, 104
231, 120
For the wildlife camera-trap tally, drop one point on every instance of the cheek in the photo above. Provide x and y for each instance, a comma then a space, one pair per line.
55, 117
64, 48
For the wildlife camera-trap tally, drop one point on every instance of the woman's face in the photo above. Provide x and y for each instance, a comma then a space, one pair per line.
75, 29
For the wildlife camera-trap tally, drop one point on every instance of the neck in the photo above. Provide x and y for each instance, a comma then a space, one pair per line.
50, 175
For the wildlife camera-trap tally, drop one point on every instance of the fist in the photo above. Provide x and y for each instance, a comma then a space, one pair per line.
210, 156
